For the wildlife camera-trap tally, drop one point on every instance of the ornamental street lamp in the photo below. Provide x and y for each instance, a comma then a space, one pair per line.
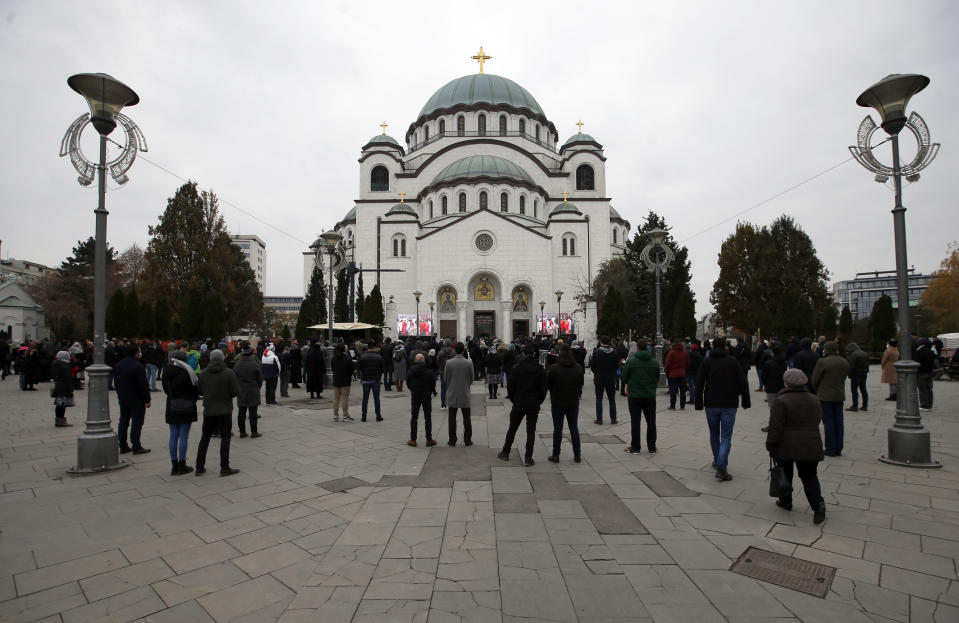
417, 294
432, 329
97, 447
657, 264
328, 240
542, 319
559, 314
908, 442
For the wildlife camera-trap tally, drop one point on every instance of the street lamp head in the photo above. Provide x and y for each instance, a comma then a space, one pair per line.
542, 304
657, 235
890, 96
417, 294
432, 305
331, 238
106, 96
559, 295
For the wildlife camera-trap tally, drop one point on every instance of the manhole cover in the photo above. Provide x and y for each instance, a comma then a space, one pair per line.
800, 575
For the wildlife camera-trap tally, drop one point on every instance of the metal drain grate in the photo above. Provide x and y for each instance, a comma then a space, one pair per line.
800, 575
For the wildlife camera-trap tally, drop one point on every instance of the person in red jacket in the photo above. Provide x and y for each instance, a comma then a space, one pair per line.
677, 360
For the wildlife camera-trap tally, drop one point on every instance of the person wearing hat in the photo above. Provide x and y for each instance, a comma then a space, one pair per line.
218, 386
793, 439
829, 383
179, 385
62, 391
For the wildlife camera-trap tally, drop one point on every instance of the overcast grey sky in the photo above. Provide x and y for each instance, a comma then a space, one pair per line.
704, 109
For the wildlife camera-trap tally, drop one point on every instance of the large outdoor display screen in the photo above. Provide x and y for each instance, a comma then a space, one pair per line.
548, 323
406, 324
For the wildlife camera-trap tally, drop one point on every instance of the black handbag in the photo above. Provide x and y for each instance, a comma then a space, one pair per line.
182, 406
779, 485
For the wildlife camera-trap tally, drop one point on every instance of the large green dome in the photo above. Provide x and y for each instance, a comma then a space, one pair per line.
481, 88
482, 166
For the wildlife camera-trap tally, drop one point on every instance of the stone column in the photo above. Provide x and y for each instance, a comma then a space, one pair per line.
461, 329
507, 331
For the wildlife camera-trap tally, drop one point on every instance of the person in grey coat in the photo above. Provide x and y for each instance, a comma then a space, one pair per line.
459, 376
249, 374
399, 366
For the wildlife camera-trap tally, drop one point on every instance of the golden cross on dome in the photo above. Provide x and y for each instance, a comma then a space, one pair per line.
481, 57
580, 124
384, 126
402, 197
564, 196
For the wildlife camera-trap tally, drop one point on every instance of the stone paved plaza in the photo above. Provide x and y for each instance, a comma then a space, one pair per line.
344, 522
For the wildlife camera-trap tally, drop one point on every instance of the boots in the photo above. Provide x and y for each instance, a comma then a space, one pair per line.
61, 422
180, 468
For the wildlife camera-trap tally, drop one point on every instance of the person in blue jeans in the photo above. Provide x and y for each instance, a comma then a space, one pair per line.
371, 371
858, 370
695, 360
720, 385
564, 381
829, 383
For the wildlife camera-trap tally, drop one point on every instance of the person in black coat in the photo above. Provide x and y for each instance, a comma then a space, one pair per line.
793, 438
286, 368
527, 390
695, 360
179, 385
565, 383
315, 369
719, 385
133, 394
342, 380
296, 365
806, 359
604, 363
494, 365
62, 388
773, 370
421, 381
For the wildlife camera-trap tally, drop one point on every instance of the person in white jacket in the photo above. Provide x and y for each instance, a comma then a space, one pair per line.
271, 374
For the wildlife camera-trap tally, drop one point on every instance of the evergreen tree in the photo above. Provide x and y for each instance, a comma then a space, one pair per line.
341, 310
684, 316
360, 298
191, 315
316, 293
373, 308
161, 319
190, 249
133, 329
147, 326
882, 323
300, 331
116, 323
736, 292
285, 332
845, 325
827, 322
612, 315
214, 317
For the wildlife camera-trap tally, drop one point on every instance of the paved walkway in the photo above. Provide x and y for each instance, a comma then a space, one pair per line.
345, 522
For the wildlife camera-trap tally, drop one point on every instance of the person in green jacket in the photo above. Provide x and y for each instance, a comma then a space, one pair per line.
218, 386
641, 376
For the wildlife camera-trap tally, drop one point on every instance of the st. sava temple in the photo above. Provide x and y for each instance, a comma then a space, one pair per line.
483, 211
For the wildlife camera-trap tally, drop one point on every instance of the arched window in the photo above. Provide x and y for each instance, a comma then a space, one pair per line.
522, 205
399, 245
426, 133
502, 125
504, 202
444, 209
537, 132
569, 244
481, 125
522, 126
614, 236
460, 126
484, 200
462, 200
584, 178
442, 127
379, 178
431, 208
535, 208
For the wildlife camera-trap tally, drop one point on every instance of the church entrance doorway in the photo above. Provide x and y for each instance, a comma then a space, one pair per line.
484, 324
448, 329
520, 328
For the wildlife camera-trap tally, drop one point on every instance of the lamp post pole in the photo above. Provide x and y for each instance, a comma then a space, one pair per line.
97, 447
559, 313
417, 294
909, 443
432, 328
330, 238
656, 265
542, 318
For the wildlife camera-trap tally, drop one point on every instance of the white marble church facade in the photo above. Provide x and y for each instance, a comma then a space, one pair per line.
483, 212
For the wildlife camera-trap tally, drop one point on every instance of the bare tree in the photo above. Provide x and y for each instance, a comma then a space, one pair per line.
132, 263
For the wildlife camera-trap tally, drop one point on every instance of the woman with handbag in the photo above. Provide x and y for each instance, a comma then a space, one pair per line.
62, 390
793, 438
179, 385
